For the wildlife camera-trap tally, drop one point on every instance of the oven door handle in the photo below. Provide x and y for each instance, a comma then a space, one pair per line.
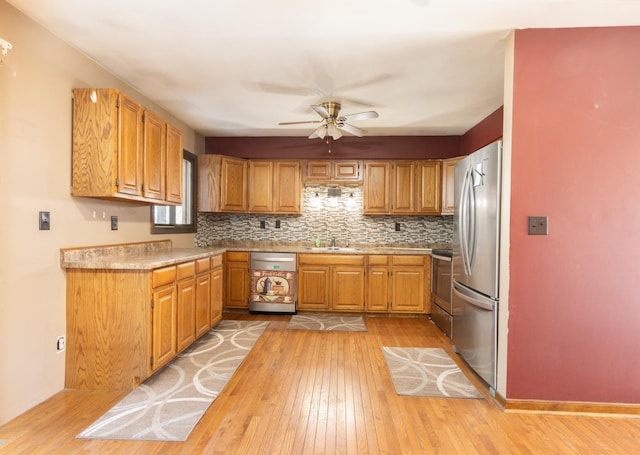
441, 258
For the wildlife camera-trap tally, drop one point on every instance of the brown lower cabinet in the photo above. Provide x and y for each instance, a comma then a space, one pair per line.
331, 282
217, 290
236, 279
186, 305
123, 325
398, 283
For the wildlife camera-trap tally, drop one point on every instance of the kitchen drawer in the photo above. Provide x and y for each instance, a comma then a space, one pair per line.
378, 259
186, 270
407, 260
331, 259
166, 275
237, 256
216, 261
202, 265
442, 319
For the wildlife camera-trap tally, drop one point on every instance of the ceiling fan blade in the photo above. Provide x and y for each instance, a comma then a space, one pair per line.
320, 132
352, 129
358, 116
300, 123
321, 110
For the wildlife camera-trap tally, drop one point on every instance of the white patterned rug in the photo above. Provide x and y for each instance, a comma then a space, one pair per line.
427, 372
316, 321
168, 405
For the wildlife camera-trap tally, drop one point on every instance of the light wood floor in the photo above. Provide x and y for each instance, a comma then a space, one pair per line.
305, 392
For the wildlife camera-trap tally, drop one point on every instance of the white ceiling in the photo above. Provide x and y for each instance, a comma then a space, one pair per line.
238, 67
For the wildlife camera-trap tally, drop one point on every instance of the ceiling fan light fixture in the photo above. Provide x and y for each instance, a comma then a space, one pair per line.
333, 124
334, 132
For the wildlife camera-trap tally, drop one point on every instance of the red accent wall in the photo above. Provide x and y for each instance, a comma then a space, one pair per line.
485, 132
574, 303
371, 147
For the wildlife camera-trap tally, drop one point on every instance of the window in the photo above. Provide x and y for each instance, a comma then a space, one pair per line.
182, 218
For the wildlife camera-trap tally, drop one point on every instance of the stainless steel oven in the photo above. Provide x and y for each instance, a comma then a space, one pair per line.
441, 301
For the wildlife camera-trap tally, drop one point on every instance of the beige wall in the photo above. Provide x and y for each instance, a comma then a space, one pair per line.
35, 146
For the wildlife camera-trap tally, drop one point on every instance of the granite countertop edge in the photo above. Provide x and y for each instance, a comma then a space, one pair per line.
153, 255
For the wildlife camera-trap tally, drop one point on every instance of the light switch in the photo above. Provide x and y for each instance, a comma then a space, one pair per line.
44, 221
538, 225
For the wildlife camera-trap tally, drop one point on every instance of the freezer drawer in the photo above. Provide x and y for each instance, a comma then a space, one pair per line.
475, 331
442, 319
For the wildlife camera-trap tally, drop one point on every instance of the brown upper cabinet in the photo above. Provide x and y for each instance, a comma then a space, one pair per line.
322, 171
222, 184
402, 188
227, 184
428, 187
174, 165
448, 168
274, 187
377, 187
123, 151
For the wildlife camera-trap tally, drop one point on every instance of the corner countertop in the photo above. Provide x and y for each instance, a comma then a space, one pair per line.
155, 254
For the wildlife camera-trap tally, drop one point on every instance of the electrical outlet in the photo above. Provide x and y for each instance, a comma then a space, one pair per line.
277, 224
263, 224
398, 227
114, 223
61, 343
44, 221
538, 225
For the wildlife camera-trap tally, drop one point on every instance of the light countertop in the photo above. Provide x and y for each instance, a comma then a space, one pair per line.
155, 254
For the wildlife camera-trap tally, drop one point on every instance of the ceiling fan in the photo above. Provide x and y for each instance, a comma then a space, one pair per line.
332, 124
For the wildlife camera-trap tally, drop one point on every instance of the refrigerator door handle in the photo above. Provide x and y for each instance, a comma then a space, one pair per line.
473, 301
464, 219
471, 253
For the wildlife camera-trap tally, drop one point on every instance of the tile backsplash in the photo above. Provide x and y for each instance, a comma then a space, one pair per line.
325, 216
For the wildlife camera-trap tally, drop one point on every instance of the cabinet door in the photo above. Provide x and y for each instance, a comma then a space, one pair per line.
130, 153
233, 185
154, 156
173, 185
408, 289
428, 181
209, 183
313, 287
318, 171
378, 289
347, 170
376, 187
402, 187
163, 326
203, 304
287, 187
347, 288
216, 296
448, 170
185, 324
237, 285
260, 186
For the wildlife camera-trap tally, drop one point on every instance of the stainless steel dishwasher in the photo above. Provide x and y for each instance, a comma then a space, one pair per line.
273, 285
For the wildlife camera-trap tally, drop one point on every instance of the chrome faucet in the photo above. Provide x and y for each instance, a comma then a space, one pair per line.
333, 242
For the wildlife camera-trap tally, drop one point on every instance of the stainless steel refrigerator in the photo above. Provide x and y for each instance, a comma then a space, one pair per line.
476, 225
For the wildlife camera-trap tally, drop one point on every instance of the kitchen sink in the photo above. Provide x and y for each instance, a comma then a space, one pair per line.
333, 248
